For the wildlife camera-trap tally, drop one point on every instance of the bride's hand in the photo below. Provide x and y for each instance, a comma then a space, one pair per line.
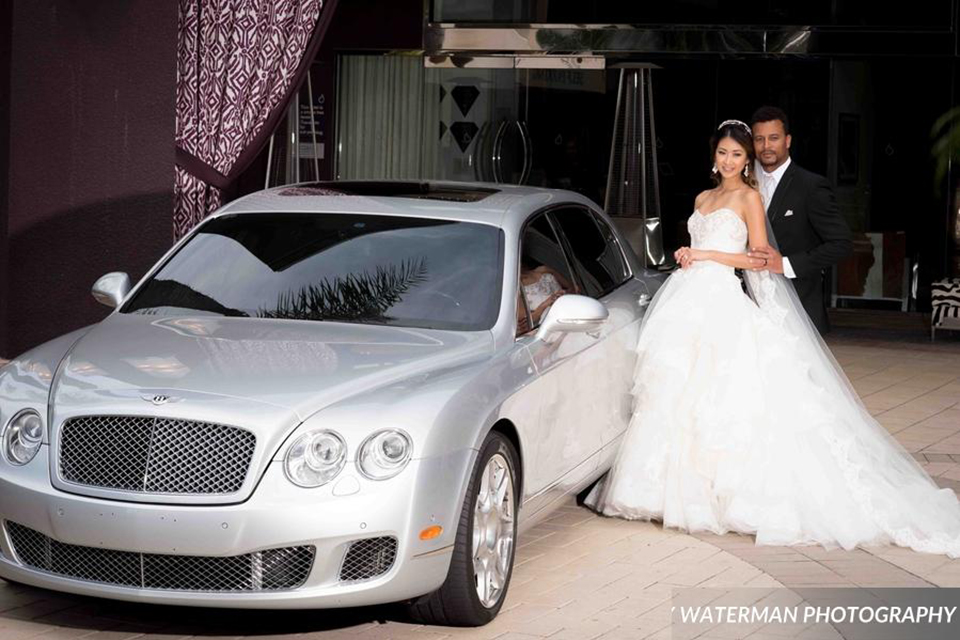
686, 256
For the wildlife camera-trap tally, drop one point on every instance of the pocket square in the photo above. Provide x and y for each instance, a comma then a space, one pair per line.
788, 213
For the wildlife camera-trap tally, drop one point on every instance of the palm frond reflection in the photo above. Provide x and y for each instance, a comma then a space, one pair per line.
363, 297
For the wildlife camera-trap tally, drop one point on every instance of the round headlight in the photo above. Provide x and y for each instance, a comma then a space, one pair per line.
384, 454
22, 437
315, 458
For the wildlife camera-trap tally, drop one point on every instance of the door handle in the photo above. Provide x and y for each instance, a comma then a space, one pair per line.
497, 148
527, 151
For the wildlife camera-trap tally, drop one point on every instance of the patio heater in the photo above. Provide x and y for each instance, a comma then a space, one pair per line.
633, 184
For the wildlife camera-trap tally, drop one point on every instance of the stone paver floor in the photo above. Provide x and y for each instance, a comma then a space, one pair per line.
580, 576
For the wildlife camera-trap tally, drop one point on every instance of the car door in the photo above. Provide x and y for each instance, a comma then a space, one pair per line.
565, 451
605, 373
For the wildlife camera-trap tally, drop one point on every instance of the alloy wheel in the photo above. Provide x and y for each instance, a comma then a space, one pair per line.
493, 531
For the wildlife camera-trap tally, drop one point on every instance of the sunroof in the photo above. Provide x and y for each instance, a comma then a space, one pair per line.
419, 190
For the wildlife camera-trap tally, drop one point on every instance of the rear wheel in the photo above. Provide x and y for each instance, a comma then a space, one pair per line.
483, 553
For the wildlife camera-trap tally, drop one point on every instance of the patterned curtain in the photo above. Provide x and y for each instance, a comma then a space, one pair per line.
239, 61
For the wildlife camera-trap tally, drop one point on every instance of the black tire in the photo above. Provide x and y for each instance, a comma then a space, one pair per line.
456, 603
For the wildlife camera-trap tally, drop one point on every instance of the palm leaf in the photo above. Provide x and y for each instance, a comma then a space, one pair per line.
355, 297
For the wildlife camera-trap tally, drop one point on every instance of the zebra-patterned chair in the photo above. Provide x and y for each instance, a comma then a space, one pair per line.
945, 296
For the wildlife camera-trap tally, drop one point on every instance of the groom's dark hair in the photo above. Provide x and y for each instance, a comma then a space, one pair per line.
767, 113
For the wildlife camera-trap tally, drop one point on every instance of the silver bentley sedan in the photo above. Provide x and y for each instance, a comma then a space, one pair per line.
327, 395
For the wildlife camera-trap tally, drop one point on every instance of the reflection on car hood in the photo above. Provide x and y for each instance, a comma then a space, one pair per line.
300, 366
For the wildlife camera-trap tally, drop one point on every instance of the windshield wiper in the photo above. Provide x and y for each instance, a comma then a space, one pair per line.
170, 293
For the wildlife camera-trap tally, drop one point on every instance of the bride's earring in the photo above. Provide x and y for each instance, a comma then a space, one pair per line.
714, 172
746, 171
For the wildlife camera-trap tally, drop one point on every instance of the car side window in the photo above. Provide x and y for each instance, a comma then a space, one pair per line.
597, 257
614, 252
544, 272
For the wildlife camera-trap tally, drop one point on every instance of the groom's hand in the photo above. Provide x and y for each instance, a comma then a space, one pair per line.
769, 258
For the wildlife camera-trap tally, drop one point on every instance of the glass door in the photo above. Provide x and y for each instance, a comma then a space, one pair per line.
499, 119
477, 133
545, 127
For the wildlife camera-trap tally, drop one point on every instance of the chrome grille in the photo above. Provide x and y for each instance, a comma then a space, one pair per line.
269, 570
154, 455
368, 558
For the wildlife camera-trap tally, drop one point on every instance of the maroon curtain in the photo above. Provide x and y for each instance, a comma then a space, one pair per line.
239, 62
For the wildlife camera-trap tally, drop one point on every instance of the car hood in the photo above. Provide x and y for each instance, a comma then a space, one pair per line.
300, 367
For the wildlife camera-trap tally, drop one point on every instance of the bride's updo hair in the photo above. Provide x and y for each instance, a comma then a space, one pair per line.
740, 133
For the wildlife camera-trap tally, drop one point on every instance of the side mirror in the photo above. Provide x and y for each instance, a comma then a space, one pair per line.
572, 314
111, 289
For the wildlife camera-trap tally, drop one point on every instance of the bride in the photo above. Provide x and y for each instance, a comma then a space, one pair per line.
743, 420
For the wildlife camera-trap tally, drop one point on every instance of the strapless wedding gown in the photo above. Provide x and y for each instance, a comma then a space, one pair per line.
538, 292
739, 426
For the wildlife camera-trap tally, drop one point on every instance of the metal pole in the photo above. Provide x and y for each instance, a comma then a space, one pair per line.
313, 129
613, 145
295, 138
642, 151
653, 142
266, 180
292, 170
623, 190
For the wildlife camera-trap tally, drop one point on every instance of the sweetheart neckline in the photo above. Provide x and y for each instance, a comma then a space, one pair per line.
707, 215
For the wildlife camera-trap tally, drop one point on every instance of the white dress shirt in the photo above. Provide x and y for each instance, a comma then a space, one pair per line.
768, 186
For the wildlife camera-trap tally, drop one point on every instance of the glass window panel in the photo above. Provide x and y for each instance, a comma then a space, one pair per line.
544, 273
597, 258
853, 13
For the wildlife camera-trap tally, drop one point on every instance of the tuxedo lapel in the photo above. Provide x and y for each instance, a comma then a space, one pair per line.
776, 203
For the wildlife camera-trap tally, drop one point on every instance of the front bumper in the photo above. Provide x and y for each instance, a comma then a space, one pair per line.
278, 514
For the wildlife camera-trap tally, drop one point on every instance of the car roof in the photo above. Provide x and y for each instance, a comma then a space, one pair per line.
500, 205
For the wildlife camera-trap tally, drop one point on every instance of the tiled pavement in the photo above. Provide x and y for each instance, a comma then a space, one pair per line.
580, 576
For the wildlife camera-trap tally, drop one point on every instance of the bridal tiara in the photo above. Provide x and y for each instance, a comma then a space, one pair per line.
739, 122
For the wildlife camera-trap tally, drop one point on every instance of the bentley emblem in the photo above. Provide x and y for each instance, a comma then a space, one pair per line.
160, 399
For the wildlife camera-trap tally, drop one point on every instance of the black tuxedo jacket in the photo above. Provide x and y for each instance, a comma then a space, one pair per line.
810, 232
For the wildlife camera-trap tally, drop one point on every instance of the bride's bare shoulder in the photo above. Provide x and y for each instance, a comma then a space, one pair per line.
751, 202
701, 197
748, 199
746, 195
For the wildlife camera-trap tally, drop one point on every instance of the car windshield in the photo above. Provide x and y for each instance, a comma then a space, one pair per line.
409, 272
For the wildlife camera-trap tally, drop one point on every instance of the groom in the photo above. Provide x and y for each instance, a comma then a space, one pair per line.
803, 213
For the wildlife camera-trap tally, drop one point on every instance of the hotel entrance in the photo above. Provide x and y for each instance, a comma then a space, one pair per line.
526, 92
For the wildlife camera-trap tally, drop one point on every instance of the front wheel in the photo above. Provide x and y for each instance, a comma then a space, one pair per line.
483, 552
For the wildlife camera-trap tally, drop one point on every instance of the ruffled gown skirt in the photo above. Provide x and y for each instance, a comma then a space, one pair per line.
738, 426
